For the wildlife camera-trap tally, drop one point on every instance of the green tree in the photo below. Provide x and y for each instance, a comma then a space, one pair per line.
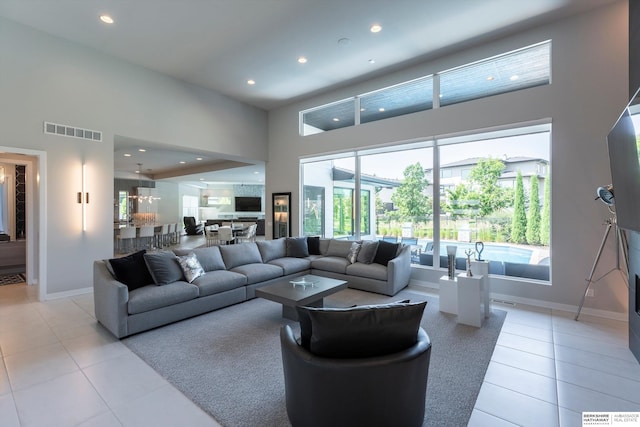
459, 202
519, 220
533, 219
545, 223
410, 197
484, 183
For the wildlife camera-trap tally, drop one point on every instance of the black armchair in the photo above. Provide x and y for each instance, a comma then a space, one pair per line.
387, 390
191, 227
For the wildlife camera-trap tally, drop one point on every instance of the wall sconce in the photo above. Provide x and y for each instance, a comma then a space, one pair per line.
83, 197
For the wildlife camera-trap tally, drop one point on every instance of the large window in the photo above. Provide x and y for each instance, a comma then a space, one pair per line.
313, 210
343, 219
511, 71
490, 188
524, 68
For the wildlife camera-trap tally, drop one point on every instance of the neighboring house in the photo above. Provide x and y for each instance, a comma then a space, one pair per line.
325, 184
455, 173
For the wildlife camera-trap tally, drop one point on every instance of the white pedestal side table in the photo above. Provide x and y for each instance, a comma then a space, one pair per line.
448, 295
470, 311
481, 268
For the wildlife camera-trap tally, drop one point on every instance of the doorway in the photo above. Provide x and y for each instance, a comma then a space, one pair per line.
30, 224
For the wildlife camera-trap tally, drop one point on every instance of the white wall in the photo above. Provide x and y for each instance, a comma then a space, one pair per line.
588, 92
49, 79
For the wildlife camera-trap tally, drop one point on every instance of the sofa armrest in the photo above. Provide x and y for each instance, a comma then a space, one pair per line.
399, 270
110, 298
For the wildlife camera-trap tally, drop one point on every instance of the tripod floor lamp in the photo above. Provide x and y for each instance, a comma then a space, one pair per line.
606, 195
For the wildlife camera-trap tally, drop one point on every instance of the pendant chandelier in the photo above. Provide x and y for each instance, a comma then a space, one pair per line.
142, 198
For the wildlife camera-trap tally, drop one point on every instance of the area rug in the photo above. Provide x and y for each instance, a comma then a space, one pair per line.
12, 279
229, 363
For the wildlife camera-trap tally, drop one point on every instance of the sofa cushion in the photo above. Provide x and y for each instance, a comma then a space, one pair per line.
368, 251
235, 255
131, 270
313, 244
151, 297
210, 258
217, 281
331, 263
258, 272
352, 256
324, 246
362, 331
370, 271
190, 266
272, 249
164, 267
292, 265
338, 248
297, 247
386, 252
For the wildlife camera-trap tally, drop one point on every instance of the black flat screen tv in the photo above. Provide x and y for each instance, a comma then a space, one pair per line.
248, 204
624, 159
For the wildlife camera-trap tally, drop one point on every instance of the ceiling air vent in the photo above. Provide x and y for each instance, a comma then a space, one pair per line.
72, 132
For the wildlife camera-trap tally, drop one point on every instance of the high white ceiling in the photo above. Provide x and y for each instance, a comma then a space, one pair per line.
220, 44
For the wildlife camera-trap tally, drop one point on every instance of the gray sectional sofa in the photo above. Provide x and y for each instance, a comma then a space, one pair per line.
157, 288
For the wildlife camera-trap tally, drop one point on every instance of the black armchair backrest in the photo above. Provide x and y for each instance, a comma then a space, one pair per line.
189, 221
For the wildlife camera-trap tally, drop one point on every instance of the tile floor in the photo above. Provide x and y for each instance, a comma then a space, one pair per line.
60, 368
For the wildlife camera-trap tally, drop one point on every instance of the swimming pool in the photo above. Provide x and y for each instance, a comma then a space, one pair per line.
492, 252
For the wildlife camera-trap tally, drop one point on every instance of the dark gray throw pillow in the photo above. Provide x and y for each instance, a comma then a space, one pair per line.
313, 243
132, 270
386, 252
297, 247
367, 251
363, 331
164, 267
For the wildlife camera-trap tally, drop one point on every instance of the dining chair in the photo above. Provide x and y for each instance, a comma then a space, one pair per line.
175, 237
127, 234
146, 236
159, 236
211, 235
249, 235
168, 238
225, 235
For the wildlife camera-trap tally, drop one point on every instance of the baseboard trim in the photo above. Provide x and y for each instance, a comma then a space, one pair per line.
67, 294
623, 317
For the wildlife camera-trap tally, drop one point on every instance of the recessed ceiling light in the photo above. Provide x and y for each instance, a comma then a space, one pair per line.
142, 150
182, 162
302, 60
335, 119
514, 77
372, 61
106, 19
490, 78
256, 172
198, 158
127, 155
251, 82
381, 109
201, 179
375, 28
